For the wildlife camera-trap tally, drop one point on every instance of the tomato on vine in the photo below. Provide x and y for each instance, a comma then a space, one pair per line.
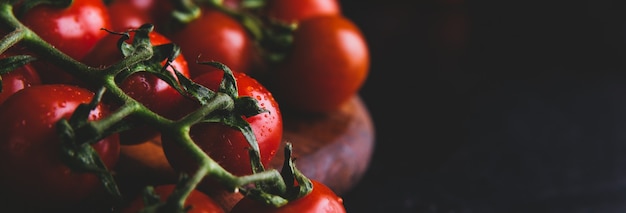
52, 147
196, 202
73, 27
33, 169
16, 79
320, 200
214, 36
225, 144
327, 64
129, 14
145, 87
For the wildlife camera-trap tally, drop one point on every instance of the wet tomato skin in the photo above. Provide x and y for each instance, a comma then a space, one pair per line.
18, 79
226, 145
156, 94
30, 151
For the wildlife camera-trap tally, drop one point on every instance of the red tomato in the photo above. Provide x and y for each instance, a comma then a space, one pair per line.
144, 87
152, 7
74, 30
128, 14
327, 65
232, 4
226, 145
199, 202
32, 171
159, 11
215, 36
18, 79
321, 200
131, 12
294, 11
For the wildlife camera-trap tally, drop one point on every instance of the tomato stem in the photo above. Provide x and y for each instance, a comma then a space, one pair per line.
259, 182
11, 39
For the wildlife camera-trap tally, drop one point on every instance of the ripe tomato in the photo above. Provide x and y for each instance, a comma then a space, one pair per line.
290, 11
327, 65
232, 4
144, 87
128, 14
30, 159
159, 12
320, 200
226, 145
197, 200
215, 36
73, 30
18, 79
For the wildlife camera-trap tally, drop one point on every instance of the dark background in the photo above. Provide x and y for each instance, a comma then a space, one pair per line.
494, 106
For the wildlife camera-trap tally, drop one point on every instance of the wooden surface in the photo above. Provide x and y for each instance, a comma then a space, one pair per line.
333, 148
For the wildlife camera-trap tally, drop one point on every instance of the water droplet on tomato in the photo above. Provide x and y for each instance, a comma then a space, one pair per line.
145, 85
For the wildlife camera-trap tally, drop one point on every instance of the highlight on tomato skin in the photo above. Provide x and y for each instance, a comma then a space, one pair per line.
74, 30
128, 14
290, 11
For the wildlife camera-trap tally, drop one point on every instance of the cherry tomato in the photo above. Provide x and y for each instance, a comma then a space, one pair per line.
215, 36
320, 200
327, 65
226, 145
74, 30
30, 159
128, 14
197, 200
144, 87
290, 11
18, 79
232, 4
158, 11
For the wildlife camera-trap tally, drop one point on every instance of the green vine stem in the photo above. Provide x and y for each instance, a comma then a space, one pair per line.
271, 183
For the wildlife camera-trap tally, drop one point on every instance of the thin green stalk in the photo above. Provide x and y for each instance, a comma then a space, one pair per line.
11, 39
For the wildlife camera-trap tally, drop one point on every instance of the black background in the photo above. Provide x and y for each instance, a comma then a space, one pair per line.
494, 106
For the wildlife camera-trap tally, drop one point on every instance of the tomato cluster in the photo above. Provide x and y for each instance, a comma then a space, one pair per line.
81, 79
